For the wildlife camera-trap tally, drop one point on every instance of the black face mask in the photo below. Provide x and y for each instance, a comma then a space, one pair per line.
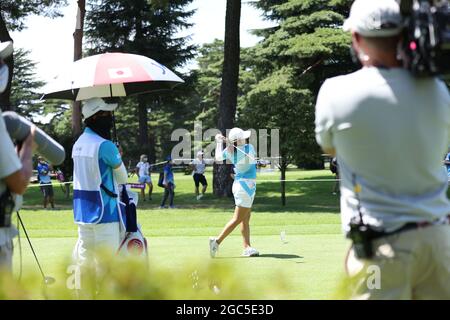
101, 126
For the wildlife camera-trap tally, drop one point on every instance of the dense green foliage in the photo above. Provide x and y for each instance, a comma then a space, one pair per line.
15, 11
278, 79
291, 63
148, 28
25, 87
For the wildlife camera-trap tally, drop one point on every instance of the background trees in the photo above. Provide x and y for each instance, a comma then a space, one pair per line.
306, 47
268, 86
12, 17
141, 27
25, 86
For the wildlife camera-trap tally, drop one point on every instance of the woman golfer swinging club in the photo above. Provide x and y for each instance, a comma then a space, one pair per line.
242, 156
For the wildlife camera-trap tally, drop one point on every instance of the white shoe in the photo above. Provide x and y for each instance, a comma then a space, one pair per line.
250, 252
213, 247
199, 197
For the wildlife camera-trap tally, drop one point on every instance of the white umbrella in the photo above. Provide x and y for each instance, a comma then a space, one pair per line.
111, 75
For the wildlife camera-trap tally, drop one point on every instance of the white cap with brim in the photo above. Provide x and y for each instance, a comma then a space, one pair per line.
370, 18
238, 134
94, 105
200, 153
6, 49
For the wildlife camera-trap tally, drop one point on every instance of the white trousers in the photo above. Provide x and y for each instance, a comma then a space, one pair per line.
94, 237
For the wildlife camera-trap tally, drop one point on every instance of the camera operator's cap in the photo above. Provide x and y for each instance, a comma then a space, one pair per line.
6, 49
375, 18
238, 134
94, 105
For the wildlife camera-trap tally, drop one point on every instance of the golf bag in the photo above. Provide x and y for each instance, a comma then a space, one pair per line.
133, 242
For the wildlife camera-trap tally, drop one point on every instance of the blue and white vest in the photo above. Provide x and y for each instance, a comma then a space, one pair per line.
88, 207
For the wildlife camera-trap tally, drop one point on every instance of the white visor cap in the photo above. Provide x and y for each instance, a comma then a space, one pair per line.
94, 105
375, 18
238, 134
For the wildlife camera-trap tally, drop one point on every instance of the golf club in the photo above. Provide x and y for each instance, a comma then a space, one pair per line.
47, 280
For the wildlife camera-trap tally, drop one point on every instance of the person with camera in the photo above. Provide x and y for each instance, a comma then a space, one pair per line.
16, 169
395, 212
43, 169
98, 171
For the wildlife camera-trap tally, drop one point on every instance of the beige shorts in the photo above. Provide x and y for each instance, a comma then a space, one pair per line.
413, 264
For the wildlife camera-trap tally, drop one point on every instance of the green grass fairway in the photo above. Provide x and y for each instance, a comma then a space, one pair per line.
309, 261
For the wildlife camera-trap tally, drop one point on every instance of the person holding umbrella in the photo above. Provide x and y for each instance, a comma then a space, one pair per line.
242, 156
98, 170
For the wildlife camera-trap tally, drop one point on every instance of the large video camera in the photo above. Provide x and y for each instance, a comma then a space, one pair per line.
427, 37
19, 128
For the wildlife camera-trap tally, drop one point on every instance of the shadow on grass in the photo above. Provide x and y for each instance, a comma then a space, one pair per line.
267, 255
280, 256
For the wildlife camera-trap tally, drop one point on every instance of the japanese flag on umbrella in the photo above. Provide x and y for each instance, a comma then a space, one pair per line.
111, 75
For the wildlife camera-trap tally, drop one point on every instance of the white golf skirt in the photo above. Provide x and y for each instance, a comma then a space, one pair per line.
244, 191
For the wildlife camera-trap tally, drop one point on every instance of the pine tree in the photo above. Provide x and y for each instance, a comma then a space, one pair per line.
25, 87
290, 64
307, 46
12, 18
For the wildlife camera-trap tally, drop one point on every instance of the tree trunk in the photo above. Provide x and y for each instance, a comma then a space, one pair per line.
283, 168
229, 89
5, 102
143, 100
152, 150
77, 54
143, 124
